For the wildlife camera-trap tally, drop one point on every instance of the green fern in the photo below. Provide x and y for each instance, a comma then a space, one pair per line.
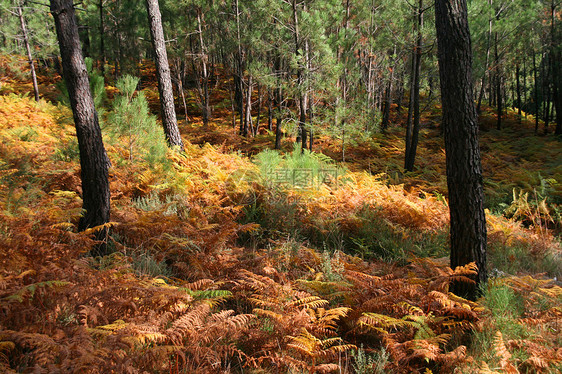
28, 292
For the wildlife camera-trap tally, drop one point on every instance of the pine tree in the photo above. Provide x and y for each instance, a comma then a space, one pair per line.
169, 120
464, 171
93, 158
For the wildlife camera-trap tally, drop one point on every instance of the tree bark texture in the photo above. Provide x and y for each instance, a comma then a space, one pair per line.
464, 171
413, 128
169, 120
93, 159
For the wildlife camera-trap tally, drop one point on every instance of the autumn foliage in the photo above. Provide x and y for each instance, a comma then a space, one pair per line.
210, 274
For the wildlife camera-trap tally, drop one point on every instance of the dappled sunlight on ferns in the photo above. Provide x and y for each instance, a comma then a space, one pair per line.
212, 273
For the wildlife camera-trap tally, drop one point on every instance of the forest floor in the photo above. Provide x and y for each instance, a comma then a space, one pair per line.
220, 265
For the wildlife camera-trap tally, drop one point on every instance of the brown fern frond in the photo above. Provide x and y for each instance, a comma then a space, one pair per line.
380, 321
503, 354
327, 368
279, 317
327, 319
310, 302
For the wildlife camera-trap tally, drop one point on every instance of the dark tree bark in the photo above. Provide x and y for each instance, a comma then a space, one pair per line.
93, 159
258, 115
464, 171
169, 120
239, 98
557, 94
483, 85
279, 118
498, 83
270, 111
28, 49
537, 104
413, 126
518, 84
387, 101
300, 77
102, 38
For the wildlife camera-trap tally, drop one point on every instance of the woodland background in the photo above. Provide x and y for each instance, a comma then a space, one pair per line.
203, 275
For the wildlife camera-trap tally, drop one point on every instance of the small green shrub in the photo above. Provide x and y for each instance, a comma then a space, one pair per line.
370, 363
131, 121
505, 307
67, 150
153, 202
145, 264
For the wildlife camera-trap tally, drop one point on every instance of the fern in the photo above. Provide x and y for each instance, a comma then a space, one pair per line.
28, 292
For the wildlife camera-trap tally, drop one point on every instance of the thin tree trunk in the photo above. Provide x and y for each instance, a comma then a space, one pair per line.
524, 88
232, 106
537, 105
311, 118
270, 111
102, 38
388, 97
256, 127
400, 92
28, 49
93, 158
555, 64
248, 114
204, 92
486, 65
498, 83
412, 132
239, 98
180, 89
518, 85
169, 120
300, 79
239, 74
278, 119
547, 108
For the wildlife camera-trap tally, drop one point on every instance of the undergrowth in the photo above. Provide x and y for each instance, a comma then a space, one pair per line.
218, 267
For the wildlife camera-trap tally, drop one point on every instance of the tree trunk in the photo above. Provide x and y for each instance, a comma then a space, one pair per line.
270, 111
93, 159
557, 79
387, 104
498, 83
279, 117
555, 64
239, 70
483, 85
102, 38
248, 113
547, 106
524, 89
169, 120
388, 97
203, 91
232, 105
518, 85
412, 132
311, 118
537, 104
464, 171
239, 98
300, 78
256, 127
29, 56
400, 92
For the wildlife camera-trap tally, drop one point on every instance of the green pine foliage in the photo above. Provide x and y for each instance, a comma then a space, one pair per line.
130, 120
